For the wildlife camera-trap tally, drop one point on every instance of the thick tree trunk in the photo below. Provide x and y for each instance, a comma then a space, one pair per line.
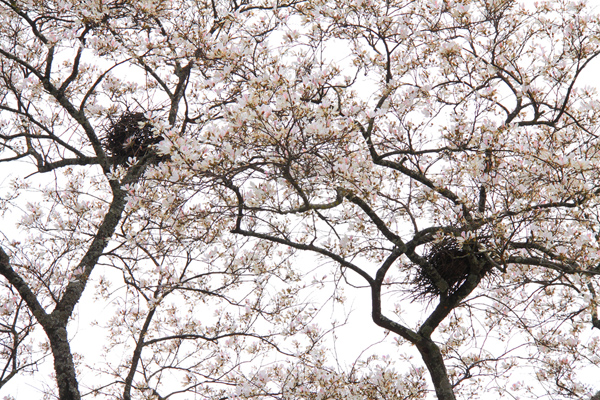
434, 361
68, 388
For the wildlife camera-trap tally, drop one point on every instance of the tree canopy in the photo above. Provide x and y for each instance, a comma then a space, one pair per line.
200, 181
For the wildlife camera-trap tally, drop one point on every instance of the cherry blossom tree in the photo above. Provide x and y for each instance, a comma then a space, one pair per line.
169, 166
183, 308
442, 155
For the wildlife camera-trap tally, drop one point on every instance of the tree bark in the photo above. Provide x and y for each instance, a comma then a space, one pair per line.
430, 352
66, 378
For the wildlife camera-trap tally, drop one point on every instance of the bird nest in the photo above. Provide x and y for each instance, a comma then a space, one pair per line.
451, 261
131, 135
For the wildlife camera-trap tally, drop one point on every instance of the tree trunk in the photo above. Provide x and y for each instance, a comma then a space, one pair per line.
434, 361
66, 379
